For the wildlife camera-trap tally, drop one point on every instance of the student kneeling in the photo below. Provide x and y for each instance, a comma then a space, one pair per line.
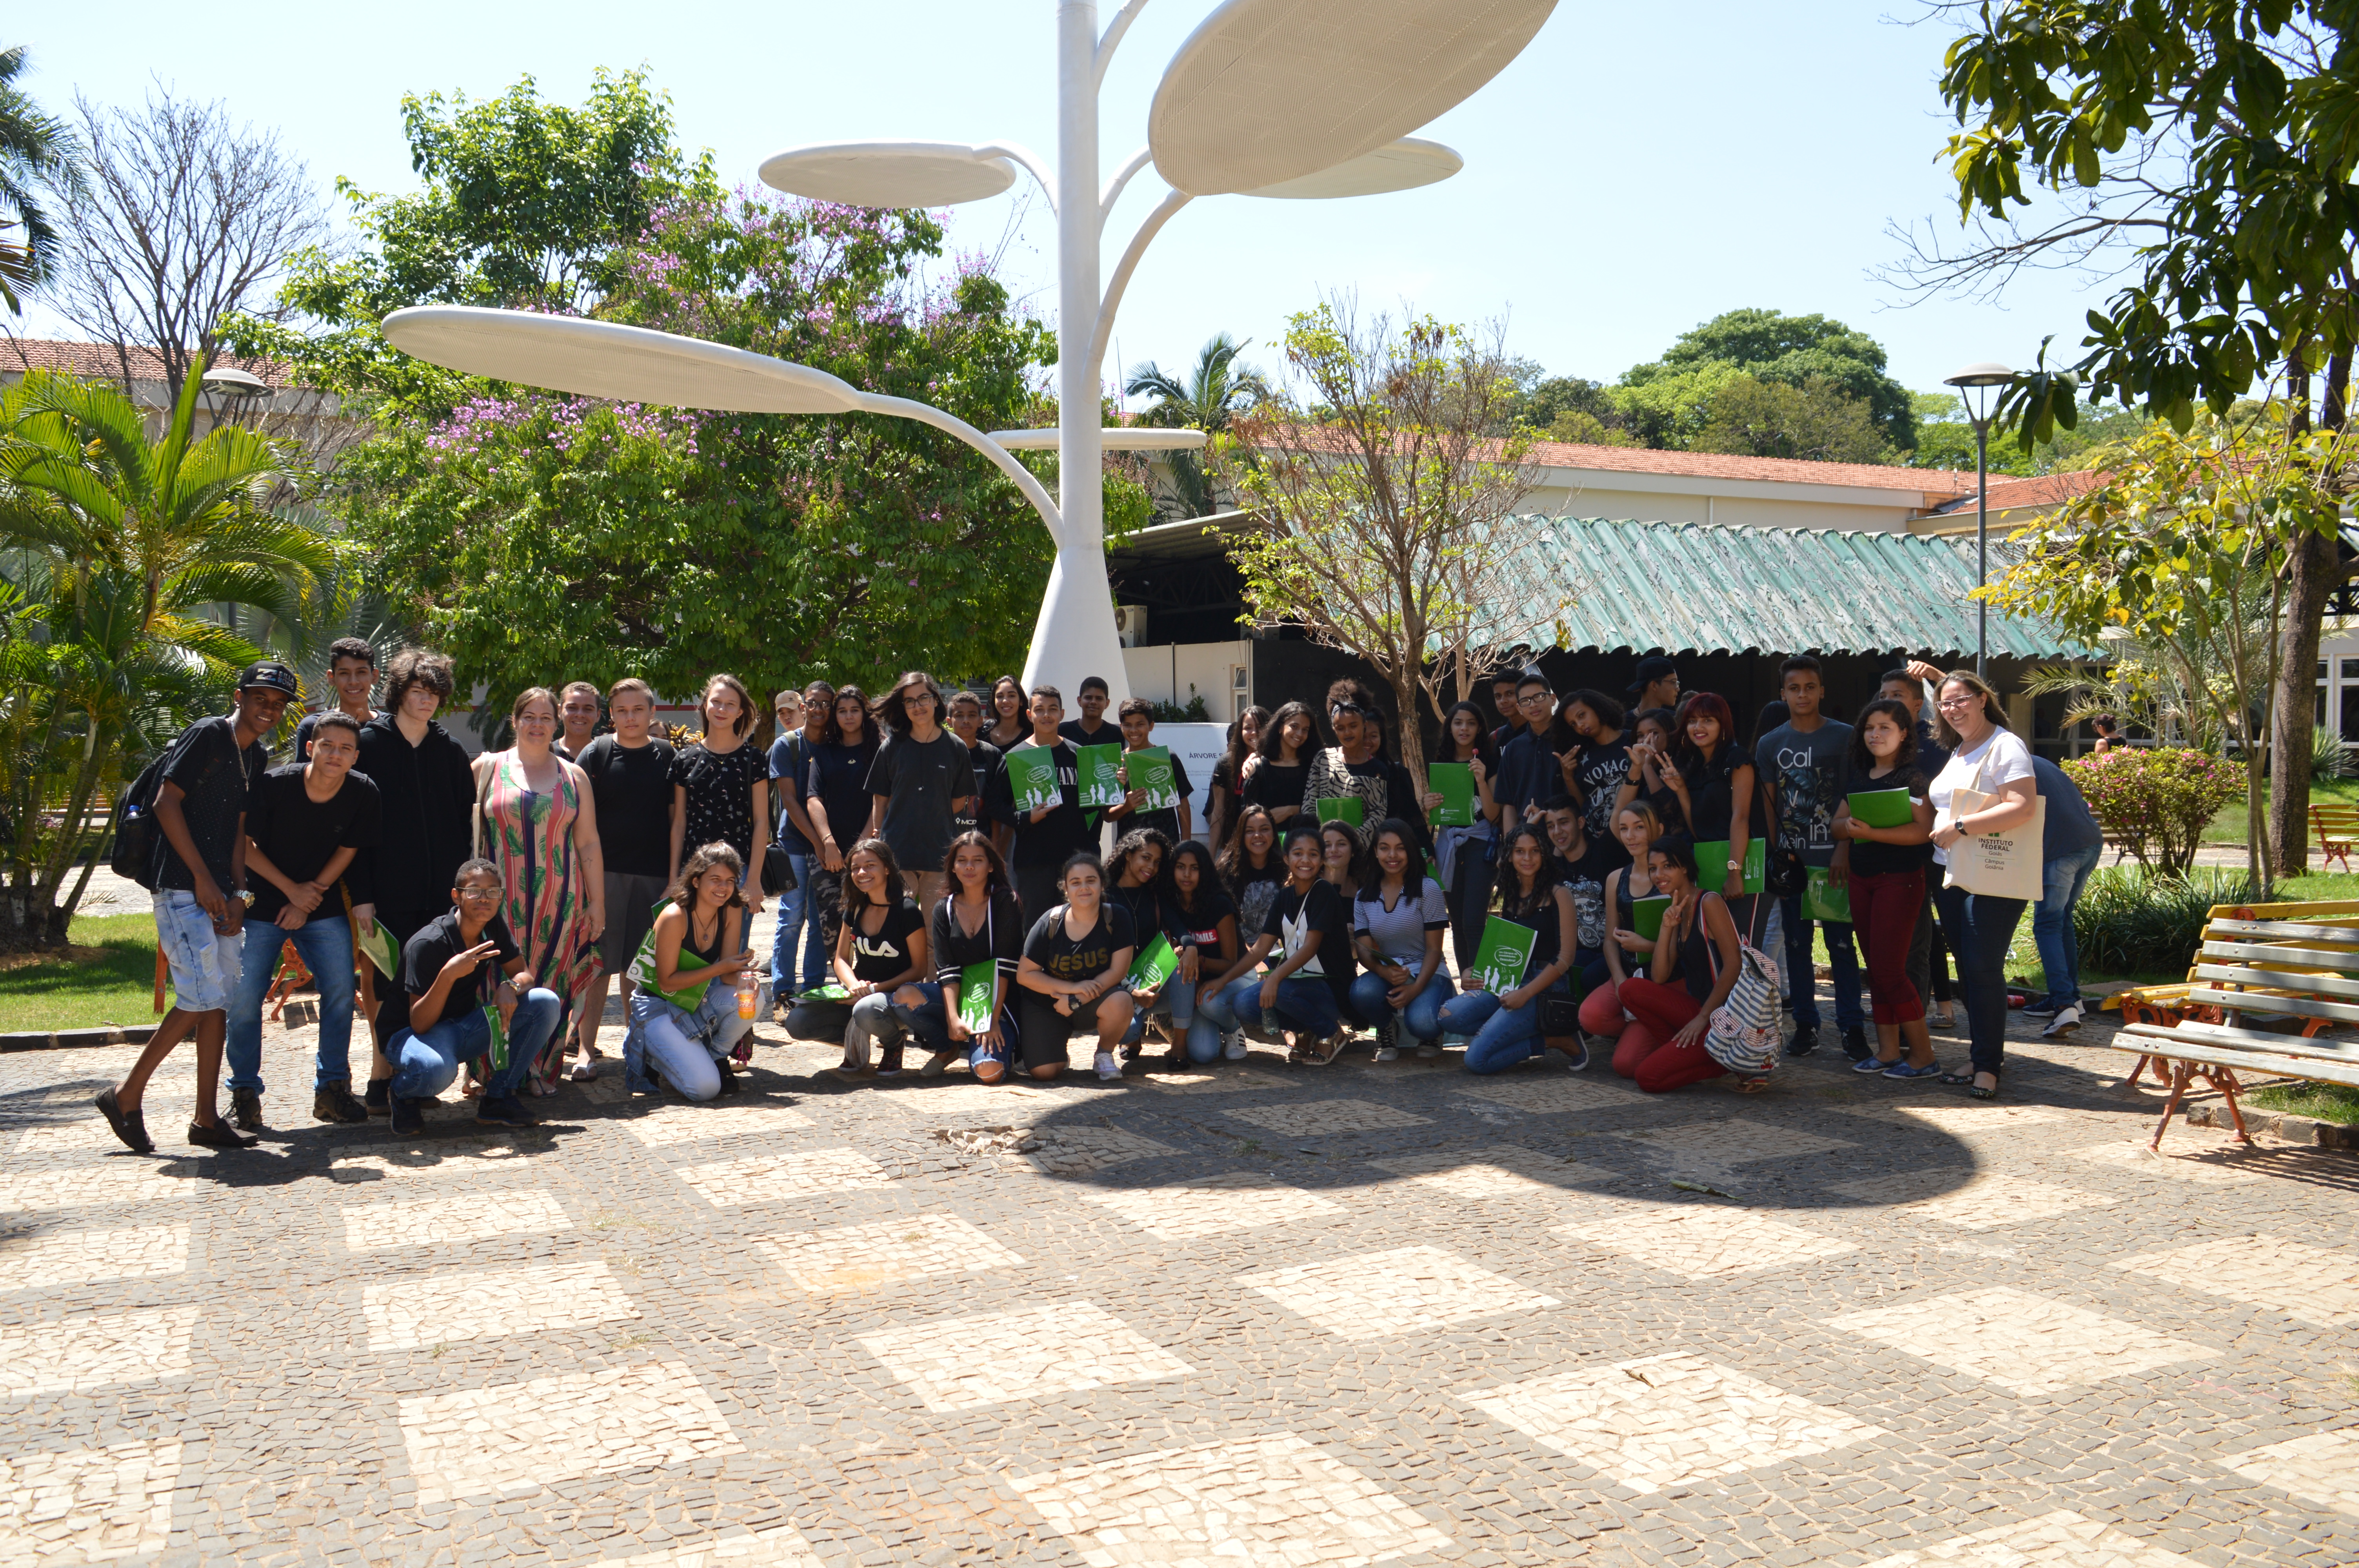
684, 1015
441, 969
1074, 962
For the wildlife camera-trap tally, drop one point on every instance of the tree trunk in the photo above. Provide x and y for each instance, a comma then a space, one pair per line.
2312, 573
1411, 726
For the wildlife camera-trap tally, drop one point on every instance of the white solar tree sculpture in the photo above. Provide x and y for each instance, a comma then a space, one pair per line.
1290, 99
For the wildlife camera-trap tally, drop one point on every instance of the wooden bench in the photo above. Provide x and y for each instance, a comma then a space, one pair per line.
2288, 962
2337, 826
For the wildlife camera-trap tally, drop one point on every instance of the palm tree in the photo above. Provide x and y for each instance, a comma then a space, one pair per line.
36, 149
1216, 391
113, 547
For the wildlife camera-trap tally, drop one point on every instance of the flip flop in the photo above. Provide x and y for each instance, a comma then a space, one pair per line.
582, 1073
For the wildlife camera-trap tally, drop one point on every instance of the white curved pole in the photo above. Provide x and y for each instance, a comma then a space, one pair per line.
1138, 160
1112, 40
1005, 460
1030, 160
1172, 201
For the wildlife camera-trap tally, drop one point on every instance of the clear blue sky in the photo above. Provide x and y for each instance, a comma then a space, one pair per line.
1638, 170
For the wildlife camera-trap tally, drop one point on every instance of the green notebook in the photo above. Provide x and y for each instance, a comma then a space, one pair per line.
1826, 896
381, 950
1154, 964
642, 969
499, 1047
1100, 767
1348, 808
1032, 777
1150, 769
974, 995
1711, 864
1504, 954
1882, 807
1454, 782
828, 992
1648, 914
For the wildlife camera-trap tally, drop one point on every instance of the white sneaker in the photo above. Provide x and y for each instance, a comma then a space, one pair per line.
2065, 1022
1235, 1049
1107, 1066
1388, 1052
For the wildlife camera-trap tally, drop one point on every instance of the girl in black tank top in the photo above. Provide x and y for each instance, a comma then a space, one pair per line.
1636, 828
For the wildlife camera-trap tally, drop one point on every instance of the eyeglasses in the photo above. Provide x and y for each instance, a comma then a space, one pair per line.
1540, 700
478, 895
1948, 703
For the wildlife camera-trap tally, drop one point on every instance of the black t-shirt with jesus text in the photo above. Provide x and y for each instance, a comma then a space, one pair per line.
1063, 956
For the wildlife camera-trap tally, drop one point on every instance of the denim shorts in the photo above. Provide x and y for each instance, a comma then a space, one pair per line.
205, 965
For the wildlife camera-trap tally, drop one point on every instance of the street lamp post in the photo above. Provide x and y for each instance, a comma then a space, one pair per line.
1269, 98
1978, 388
229, 392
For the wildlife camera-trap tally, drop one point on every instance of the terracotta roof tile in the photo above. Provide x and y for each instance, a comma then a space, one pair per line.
2011, 490
95, 360
1773, 471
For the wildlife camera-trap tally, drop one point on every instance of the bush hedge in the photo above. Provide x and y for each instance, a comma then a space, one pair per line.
2131, 921
2156, 802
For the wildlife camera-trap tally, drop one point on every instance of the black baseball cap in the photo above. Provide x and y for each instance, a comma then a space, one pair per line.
268, 675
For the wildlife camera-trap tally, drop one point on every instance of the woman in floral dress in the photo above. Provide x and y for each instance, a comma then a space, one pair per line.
539, 825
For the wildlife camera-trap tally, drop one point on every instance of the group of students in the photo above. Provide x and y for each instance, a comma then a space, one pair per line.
922, 857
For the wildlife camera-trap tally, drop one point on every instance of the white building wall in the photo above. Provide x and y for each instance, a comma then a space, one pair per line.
1165, 674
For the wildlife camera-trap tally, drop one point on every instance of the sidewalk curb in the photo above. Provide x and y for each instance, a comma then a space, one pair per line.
74, 1039
2262, 1123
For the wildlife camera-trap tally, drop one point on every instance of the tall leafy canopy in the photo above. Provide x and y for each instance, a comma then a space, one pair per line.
1790, 350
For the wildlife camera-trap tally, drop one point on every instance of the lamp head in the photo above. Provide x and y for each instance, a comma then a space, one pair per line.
888, 174
1985, 373
232, 385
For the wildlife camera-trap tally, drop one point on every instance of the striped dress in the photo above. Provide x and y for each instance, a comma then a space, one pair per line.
530, 836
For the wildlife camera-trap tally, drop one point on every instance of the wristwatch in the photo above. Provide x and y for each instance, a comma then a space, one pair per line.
1735, 865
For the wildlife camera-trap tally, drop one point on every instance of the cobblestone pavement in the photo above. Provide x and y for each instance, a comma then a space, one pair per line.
1251, 1315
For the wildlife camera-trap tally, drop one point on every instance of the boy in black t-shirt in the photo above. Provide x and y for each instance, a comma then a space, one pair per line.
1138, 733
1091, 729
352, 670
308, 827
441, 968
200, 875
1046, 837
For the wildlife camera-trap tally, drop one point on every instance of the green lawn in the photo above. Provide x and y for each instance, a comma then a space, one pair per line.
117, 987
2228, 826
2326, 1102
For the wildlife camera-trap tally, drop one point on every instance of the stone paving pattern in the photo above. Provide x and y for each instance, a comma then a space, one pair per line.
1248, 1315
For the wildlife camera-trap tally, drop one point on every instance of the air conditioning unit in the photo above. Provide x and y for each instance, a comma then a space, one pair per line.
1130, 622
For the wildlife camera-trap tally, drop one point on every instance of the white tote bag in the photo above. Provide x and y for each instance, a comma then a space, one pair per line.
1999, 865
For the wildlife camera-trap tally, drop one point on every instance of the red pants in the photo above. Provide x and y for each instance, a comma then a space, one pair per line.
1885, 910
1641, 1054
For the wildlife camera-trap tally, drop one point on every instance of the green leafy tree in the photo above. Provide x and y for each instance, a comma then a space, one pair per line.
37, 150
1216, 390
2187, 546
523, 205
1816, 422
1772, 346
1379, 503
116, 545
538, 537
2203, 150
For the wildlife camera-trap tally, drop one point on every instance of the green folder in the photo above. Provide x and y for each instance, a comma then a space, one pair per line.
1100, 768
1504, 954
1648, 914
1454, 782
828, 992
1032, 777
381, 950
1150, 770
1826, 896
642, 969
1882, 807
1348, 808
1154, 964
974, 995
1711, 864
499, 1047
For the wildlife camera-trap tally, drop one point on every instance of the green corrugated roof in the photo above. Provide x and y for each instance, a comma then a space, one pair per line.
1701, 587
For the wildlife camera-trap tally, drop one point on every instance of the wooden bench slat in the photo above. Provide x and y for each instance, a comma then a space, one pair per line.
2284, 928
2277, 953
2280, 979
2252, 1040
2308, 1069
2257, 1002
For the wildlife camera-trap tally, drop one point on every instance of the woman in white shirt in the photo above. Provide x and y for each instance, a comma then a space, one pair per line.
1985, 757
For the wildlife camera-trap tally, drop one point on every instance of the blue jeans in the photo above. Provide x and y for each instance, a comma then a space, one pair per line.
684, 1046
1801, 979
792, 906
425, 1065
1305, 1006
1176, 1001
2051, 923
1502, 1036
326, 948
1421, 1020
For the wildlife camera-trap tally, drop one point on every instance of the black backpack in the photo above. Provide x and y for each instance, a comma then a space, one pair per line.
139, 839
136, 833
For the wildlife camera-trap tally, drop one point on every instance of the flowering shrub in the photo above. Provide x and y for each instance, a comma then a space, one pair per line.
2156, 802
